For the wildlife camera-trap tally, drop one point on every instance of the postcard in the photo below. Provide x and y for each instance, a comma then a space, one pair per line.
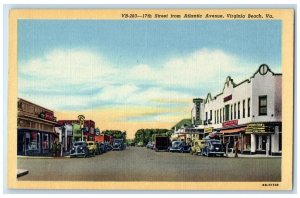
150, 99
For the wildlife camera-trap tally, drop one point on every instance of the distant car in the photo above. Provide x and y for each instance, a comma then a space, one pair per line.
140, 144
180, 146
149, 145
213, 147
197, 147
118, 144
79, 148
92, 147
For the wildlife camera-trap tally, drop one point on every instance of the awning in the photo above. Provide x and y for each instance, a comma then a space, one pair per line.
236, 130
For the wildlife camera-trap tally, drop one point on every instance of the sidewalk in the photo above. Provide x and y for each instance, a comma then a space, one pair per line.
22, 172
231, 155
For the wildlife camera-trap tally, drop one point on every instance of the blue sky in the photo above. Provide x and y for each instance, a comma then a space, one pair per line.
70, 65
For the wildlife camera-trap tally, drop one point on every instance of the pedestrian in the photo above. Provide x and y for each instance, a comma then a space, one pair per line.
54, 148
58, 150
236, 147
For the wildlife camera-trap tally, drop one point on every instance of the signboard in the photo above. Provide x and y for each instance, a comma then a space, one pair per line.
230, 123
256, 128
227, 98
208, 130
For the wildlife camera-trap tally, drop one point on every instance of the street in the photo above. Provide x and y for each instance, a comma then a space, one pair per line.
141, 164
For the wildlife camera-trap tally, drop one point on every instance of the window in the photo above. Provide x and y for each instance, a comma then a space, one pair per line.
243, 108
239, 115
262, 105
223, 114
218, 116
248, 107
215, 117
226, 112
210, 116
231, 112
234, 110
206, 116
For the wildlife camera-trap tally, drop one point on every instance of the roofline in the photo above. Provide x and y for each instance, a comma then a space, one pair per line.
36, 105
229, 79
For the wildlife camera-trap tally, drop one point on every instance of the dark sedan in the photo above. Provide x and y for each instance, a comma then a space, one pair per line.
79, 149
180, 146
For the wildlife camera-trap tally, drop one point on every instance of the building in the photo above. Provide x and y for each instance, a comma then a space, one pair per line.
65, 135
35, 128
249, 111
87, 132
197, 113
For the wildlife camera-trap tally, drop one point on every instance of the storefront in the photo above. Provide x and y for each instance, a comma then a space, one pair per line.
35, 129
266, 138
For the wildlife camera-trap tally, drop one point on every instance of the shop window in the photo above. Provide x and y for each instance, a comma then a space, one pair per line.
243, 108
248, 107
262, 105
280, 141
45, 141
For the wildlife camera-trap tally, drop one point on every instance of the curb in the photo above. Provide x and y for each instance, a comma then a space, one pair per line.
22, 172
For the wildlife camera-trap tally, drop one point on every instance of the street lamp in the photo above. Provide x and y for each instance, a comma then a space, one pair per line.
81, 122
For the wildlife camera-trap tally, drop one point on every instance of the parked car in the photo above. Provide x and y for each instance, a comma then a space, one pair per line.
149, 145
197, 147
118, 144
213, 147
92, 147
108, 147
79, 148
101, 148
179, 146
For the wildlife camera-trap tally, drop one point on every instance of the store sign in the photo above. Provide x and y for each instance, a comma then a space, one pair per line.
227, 98
230, 123
256, 128
208, 130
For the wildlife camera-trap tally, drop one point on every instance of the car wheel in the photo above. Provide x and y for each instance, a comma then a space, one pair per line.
181, 150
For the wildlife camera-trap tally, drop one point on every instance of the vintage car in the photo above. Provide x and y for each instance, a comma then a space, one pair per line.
149, 145
118, 144
101, 148
179, 146
197, 147
92, 147
213, 147
79, 148
108, 147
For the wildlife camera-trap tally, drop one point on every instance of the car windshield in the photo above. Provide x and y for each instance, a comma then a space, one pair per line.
175, 144
79, 144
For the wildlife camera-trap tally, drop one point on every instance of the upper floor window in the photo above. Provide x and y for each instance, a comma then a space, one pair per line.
248, 107
234, 110
215, 117
262, 102
221, 115
239, 115
231, 118
210, 116
218, 116
244, 109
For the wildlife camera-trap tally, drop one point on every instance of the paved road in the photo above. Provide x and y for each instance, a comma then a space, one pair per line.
141, 164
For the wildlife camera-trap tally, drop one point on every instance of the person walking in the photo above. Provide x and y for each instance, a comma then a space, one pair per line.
54, 148
236, 147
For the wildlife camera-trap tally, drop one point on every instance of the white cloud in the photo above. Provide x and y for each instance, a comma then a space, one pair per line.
81, 78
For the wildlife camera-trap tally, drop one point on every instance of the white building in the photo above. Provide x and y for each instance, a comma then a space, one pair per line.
249, 111
65, 136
